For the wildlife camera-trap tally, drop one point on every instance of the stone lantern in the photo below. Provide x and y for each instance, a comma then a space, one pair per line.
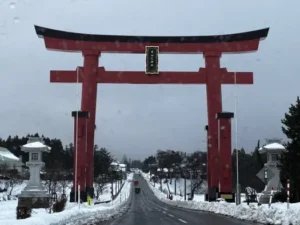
270, 174
34, 195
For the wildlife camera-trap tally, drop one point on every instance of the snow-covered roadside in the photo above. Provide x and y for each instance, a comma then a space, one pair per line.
72, 214
276, 214
88, 214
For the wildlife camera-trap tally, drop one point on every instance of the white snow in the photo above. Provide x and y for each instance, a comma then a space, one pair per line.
36, 144
273, 146
72, 214
180, 188
276, 214
6, 154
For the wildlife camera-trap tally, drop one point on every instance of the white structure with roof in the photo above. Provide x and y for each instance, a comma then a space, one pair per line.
122, 167
271, 170
10, 160
34, 195
114, 166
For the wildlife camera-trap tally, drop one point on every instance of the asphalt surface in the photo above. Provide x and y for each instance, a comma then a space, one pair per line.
146, 209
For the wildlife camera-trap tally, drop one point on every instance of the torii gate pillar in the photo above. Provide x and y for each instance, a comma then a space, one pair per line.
80, 166
89, 103
224, 152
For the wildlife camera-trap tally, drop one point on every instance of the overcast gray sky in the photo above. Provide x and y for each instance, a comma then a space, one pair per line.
139, 119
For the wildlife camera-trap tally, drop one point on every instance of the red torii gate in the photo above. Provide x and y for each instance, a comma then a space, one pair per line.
212, 75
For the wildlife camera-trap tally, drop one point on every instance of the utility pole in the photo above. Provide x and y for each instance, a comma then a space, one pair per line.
184, 188
238, 195
175, 184
191, 177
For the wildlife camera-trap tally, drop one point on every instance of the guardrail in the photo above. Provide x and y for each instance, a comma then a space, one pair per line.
116, 195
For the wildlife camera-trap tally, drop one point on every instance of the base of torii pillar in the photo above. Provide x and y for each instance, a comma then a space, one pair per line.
225, 156
80, 157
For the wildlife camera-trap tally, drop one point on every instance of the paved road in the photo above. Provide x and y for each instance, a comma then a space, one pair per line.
146, 209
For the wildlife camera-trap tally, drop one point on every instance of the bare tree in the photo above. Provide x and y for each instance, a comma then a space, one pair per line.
195, 186
51, 177
14, 179
63, 183
48, 179
99, 186
3, 169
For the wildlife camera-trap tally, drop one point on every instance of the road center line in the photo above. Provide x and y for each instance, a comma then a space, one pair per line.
183, 221
171, 215
164, 212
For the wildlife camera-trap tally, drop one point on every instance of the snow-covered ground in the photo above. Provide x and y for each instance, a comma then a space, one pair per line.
73, 214
276, 214
198, 196
170, 185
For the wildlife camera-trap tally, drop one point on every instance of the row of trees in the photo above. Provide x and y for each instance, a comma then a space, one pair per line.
250, 164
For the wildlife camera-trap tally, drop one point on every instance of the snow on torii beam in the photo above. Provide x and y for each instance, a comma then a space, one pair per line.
212, 75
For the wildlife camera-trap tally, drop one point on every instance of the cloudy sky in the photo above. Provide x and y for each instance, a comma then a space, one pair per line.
139, 119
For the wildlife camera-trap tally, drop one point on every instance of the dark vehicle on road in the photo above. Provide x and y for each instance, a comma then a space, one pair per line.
137, 190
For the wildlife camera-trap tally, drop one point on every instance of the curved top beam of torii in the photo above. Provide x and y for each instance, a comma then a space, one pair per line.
69, 41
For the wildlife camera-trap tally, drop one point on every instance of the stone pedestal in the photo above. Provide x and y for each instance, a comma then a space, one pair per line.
34, 202
34, 195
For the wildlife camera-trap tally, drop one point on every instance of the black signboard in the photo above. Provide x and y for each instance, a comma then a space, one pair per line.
152, 59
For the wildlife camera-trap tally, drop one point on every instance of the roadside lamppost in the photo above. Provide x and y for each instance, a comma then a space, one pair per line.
159, 170
184, 169
177, 172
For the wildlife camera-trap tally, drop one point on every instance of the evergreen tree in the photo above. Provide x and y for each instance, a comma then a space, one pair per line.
289, 161
257, 158
136, 164
126, 161
102, 161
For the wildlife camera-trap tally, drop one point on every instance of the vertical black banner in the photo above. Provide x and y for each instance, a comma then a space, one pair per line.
152, 59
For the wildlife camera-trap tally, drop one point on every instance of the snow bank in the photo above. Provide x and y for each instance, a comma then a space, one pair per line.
276, 214
72, 214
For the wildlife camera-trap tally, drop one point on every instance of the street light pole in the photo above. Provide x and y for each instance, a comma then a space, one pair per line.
175, 183
238, 199
191, 177
76, 134
184, 187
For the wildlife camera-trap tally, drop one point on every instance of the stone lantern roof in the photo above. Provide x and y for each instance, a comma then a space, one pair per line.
272, 147
37, 146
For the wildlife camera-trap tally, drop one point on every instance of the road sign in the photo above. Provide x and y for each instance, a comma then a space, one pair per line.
261, 174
